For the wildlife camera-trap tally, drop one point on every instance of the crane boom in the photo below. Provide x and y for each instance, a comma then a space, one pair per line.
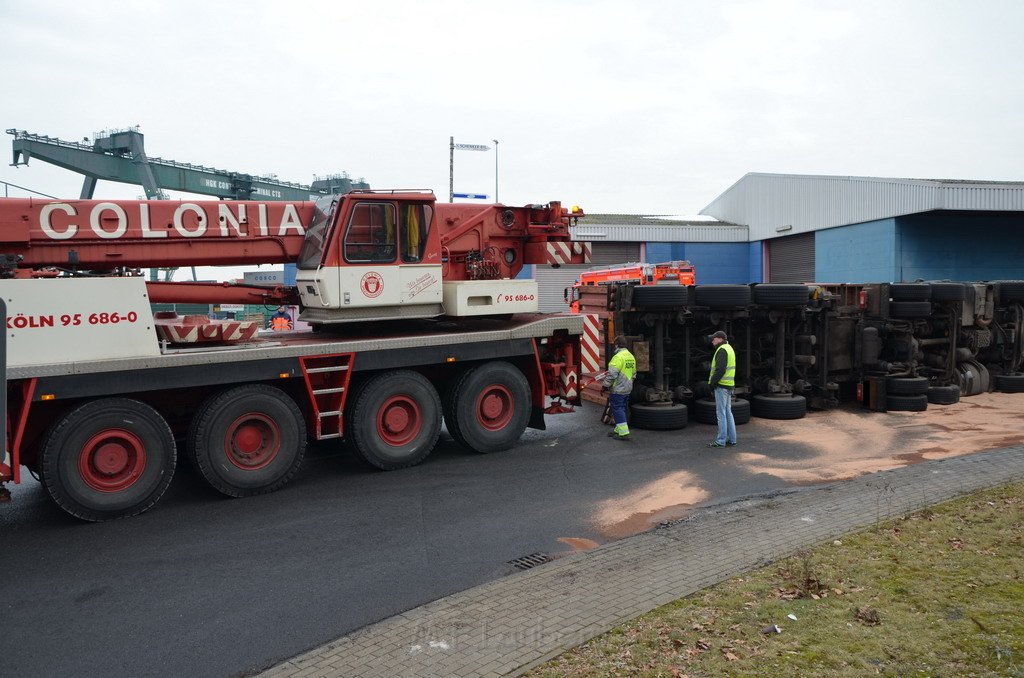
107, 235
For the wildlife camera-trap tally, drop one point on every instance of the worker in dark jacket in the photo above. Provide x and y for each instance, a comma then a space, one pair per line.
723, 383
281, 320
619, 381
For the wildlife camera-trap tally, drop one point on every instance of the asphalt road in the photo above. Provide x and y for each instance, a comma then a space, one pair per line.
206, 586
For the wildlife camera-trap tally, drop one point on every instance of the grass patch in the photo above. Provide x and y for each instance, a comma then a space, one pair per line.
939, 593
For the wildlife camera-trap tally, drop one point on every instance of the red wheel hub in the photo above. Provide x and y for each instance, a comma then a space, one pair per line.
112, 460
399, 420
494, 407
252, 441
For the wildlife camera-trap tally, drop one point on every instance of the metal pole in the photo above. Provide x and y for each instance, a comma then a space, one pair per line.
496, 170
451, 169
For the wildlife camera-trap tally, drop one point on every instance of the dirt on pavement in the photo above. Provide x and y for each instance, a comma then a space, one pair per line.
830, 446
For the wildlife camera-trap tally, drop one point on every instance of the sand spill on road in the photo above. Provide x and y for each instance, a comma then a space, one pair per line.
667, 498
829, 446
843, 444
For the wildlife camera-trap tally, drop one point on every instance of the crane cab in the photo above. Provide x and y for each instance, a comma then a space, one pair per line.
368, 255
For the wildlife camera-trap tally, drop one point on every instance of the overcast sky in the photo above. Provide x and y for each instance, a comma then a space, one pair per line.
631, 107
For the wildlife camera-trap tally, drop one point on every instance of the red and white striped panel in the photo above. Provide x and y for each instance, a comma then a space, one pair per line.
590, 344
212, 331
564, 252
568, 383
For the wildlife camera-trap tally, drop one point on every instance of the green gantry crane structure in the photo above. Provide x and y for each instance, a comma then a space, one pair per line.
120, 155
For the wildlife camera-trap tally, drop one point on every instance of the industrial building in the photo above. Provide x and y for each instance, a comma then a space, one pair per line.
835, 229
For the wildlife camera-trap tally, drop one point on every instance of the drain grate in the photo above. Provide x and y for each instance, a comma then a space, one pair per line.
532, 560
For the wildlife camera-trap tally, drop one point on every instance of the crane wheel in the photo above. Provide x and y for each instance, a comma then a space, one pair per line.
488, 408
395, 421
106, 459
247, 440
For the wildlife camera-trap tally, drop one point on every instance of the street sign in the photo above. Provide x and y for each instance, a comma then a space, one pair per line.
471, 196
472, 147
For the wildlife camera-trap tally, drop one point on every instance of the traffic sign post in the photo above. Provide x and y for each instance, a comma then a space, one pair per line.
452, 147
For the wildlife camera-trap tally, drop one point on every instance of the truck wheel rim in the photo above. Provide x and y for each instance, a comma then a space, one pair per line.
494, 407
252, 441
112, 460
399, 420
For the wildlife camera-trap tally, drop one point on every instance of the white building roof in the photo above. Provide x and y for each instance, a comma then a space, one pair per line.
772, 205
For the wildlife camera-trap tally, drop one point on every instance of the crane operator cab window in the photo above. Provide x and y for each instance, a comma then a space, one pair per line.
414, 228
371, 236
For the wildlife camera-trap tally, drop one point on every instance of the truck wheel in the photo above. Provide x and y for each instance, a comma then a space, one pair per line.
448, 400
906, 403
109, 458
910, 309
1009, 291
396, 420
781, 295
490, 408
704, 411
906, 385
722, 296
661, 296
948, 291
778, 406
658, 417
910, 291
247, 440
944, 395
1010, 383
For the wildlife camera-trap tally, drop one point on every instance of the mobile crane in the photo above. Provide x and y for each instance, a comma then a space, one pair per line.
98, 389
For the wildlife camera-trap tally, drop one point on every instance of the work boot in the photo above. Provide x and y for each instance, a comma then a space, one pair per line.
625, 437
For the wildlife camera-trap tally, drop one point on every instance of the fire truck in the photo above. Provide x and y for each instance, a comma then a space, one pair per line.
670, 272
416, 313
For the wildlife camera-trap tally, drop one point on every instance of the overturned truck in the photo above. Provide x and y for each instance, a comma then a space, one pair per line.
890, 346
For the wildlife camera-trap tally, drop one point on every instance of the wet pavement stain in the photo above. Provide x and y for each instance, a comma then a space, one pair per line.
579, 543
641, 522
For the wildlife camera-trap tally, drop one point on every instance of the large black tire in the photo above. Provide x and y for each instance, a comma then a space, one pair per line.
107, 459
906, 403
1010, 383
247, 440
395, 420
1009, 291
948, 291
778, 406
704, 411
906, 385
944, 395
661, 296
658, 417
910, 309
722, 296
910, 291
973, 378
488, 408
780, 295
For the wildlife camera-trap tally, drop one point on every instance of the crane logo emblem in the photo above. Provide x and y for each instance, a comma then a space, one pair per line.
371, 285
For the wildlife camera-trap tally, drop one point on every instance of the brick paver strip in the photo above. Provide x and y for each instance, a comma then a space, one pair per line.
510, 625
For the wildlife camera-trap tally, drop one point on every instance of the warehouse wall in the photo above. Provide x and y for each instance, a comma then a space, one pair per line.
715, 262
756, 259
865, 252
961, 246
